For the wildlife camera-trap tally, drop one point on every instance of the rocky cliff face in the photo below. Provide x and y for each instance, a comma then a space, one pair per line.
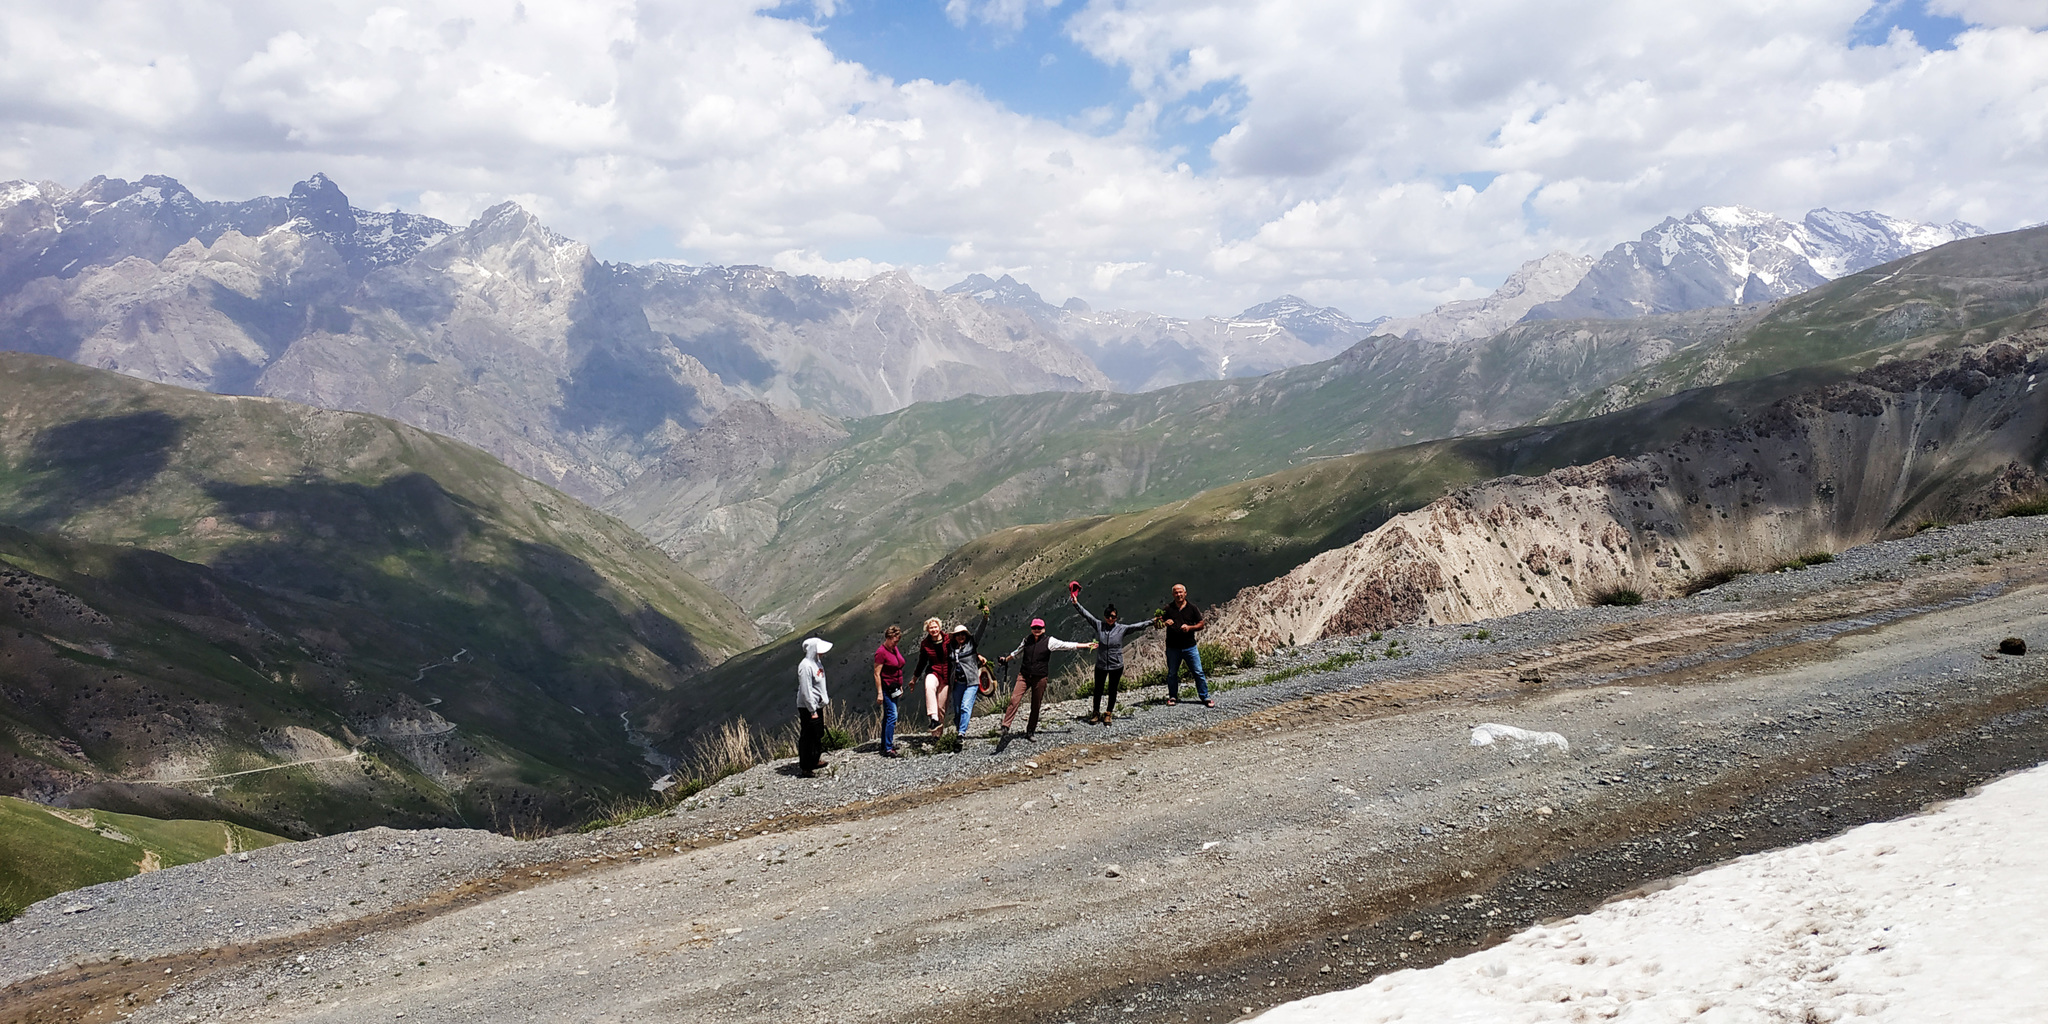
1731, 255
1937, 438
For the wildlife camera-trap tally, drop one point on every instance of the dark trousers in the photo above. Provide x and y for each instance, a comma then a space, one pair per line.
810, 739
1037, 689
1115, 678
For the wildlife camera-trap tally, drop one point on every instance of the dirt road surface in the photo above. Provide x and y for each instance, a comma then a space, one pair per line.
1200, 874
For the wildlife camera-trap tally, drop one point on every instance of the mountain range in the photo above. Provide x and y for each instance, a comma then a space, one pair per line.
1722, 373
583, 373
364, 570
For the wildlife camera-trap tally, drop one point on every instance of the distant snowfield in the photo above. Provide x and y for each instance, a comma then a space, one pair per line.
1938, 917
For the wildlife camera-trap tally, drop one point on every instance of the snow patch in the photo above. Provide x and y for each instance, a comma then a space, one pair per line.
1941, 916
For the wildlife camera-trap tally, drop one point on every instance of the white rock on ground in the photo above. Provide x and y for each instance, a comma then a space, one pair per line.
1942, 916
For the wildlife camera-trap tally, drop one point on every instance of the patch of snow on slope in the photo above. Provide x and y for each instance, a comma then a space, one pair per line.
1942, 916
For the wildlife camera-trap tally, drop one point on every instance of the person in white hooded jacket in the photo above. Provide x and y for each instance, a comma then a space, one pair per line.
811, 699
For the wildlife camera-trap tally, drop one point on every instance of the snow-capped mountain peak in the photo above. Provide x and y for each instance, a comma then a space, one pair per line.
1731, 255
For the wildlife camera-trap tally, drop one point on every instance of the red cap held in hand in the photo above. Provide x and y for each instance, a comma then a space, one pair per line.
1073, 588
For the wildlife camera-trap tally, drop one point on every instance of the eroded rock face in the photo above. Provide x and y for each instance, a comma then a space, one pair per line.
1947, 438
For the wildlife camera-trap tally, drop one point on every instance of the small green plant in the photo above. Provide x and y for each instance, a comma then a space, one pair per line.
947, 744
1329, 664
2035, 506
1622, 597
1217, 658
1375, 636
1249, 659
1923, 559
837, 739
1484, 634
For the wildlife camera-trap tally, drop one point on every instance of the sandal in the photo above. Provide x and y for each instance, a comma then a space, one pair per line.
1171, 701
1208, 702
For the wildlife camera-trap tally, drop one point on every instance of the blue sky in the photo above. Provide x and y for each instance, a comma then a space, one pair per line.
1930, 30
1036, 69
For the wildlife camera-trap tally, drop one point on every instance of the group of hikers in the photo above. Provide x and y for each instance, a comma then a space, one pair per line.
954, 673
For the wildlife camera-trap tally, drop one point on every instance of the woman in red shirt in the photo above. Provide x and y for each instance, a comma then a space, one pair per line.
889, 685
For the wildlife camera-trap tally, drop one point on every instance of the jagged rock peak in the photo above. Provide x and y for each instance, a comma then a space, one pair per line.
323, 205
1004, 291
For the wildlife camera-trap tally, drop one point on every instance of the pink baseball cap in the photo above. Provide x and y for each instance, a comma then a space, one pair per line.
1037, 623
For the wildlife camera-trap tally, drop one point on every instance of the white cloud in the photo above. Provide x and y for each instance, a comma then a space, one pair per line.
2016, 13
740, 137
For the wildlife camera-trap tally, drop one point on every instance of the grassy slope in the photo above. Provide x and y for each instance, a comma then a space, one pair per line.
907, 487
257, 566
44, 852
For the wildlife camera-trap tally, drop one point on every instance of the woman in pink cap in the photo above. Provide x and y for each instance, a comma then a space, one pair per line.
1034, 664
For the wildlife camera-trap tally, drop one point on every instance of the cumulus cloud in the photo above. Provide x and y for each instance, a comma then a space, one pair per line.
1378, 157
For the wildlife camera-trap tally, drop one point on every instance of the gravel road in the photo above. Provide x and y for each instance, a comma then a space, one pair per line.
1184, 864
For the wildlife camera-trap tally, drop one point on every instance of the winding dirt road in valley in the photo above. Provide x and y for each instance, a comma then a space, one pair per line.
1209, 874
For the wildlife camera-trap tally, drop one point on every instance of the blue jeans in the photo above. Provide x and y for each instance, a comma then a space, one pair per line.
888, 722
1194, 659
965, 694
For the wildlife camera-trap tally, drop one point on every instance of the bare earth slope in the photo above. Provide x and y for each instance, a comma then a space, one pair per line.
1181, 865
1938, 439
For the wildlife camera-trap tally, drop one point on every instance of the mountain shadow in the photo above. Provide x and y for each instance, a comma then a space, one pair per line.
84, 464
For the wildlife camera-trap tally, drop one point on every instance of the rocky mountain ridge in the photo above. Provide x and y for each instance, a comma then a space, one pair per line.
1733, 255
1536, 282
1937, 439
501, 333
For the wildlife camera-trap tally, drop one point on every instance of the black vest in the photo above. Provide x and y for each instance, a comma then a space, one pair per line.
1035, 660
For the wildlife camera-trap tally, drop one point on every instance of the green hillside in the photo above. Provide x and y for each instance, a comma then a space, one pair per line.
1215, 542
834, 520
45, 850
321, 620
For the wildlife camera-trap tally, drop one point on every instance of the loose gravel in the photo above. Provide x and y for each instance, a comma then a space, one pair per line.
1345, 799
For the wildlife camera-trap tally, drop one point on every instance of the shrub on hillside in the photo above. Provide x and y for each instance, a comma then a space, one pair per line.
2037, 506
1216, 658
1619, 596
